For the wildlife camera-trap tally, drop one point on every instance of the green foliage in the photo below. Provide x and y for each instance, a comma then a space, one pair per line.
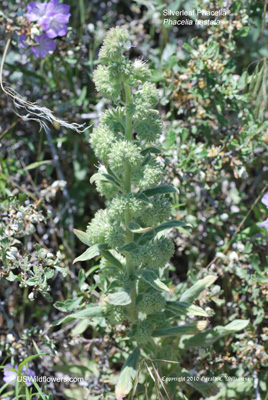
31, 269
212, 83
136, 220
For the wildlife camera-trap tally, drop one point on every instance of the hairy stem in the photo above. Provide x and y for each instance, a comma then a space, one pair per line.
127, 186
127, 183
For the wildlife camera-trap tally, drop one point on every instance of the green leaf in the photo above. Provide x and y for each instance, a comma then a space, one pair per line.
44, 397
128, 248
37, 164
237, 325
153, 150
27, 360
8, 368
150, 277
119, 298
165, 226
112, 259
127, 375
161, 189
26, 71
2, 388
170, 225
89, 312
190, 329
89, 254
62, 270
80, 327
187, 47
191, 294
47, 296
81, 277
133, 227
72, 369
83, 236
69, 304
183, 308
146, 237
144, 198
104, 177
12, 277
210, 336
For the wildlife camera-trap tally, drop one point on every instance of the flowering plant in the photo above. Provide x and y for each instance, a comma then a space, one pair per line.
11, 374
45, 21
137, 297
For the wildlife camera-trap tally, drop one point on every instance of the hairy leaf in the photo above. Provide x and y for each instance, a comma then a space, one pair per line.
161, 189
119, 298
83, 236
191, 294
88, 312
89, 254
127, 375
207, 338
183, 308
150, 277
190, 329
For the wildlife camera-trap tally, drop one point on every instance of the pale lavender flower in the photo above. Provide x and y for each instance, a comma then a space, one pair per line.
28, 372
52, 17
264, 224
35, 11
22, 41
55, 8
55, 25
44, 46
11, 376
264, 200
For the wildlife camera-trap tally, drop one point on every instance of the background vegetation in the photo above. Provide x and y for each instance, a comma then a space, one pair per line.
213, 84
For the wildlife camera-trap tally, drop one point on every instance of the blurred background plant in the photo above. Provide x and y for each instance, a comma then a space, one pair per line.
215, 138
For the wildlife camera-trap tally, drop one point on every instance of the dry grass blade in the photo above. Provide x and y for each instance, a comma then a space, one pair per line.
160, 380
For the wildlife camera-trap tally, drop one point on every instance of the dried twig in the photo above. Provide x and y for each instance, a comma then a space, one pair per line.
42, 115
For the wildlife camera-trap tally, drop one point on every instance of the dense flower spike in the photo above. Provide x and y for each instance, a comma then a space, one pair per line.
114, 315
151, 303
128, 234
156, 212
144, 331
123, 152
101, 141
149, 175
105, 83
116, 42
120, 141
104, 229
120, 204
50, 20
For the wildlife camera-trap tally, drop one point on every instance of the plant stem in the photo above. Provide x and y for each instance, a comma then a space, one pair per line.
127, 183
127, 187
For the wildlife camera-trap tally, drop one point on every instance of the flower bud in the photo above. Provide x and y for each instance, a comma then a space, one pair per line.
151, 303
144, 332
124, 151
